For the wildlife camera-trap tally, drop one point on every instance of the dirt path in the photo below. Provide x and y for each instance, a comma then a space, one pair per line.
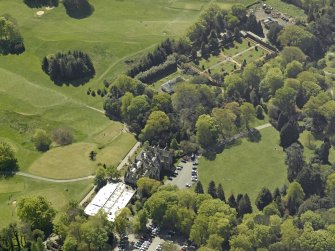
263, 126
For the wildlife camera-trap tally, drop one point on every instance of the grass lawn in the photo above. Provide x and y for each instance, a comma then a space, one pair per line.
250, 55
70, 161
11, 190
247, 167
117, 150
236, 48
213, 62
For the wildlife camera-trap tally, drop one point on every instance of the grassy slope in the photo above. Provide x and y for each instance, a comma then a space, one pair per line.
29, 100
247, 167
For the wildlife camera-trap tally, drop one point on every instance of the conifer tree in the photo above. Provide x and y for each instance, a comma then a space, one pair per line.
220, 193
198, 188
212, 189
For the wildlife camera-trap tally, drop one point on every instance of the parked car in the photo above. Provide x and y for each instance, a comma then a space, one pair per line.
187, 185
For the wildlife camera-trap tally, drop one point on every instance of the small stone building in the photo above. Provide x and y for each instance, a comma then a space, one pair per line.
149, 163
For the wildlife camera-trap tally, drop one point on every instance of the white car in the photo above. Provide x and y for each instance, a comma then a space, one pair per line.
187, 185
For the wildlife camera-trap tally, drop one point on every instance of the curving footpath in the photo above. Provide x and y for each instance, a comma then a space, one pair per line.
28, 175
263, 126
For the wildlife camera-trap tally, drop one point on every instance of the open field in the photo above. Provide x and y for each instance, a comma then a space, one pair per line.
13, 189
247, 167
116, 30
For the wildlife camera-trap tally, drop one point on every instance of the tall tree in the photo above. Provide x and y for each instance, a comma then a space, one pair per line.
264, 198
232, 201
8, 161
212, 189
41, 140
294, 161
248, 113
285, 100
156, 127
289, 134
311, 181
122, 222
294, 197
323, 152
244, 206
220, 193
198, 188
37, 211
207, 131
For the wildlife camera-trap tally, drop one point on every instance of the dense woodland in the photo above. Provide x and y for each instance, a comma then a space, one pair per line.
11, 41
291, 88
68, 67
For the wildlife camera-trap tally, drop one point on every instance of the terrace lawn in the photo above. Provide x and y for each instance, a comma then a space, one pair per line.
236, 48
247, 167
250, 56
238, 52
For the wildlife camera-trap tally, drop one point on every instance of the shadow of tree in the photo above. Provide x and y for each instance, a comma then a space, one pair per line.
75, 82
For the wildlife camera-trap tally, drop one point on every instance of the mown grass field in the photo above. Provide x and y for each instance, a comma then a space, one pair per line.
247, 167
116, 30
